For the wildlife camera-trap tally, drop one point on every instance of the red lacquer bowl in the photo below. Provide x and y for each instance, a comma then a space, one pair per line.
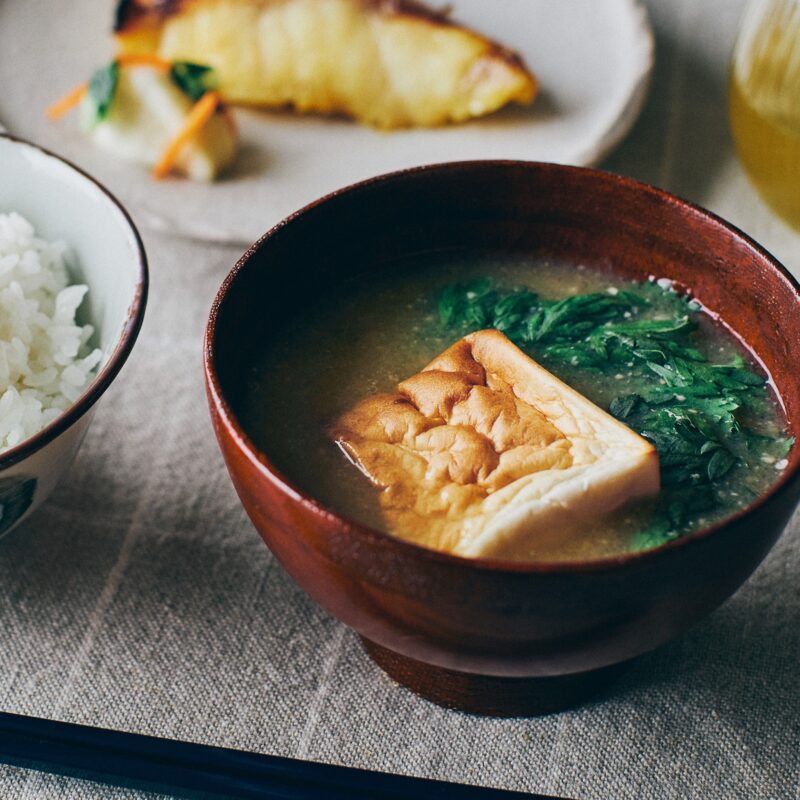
488, 636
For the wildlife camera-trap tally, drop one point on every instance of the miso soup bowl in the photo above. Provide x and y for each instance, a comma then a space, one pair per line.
105, 252
481, 635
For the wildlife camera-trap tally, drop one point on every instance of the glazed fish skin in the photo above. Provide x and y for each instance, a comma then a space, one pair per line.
486, 454
390, 64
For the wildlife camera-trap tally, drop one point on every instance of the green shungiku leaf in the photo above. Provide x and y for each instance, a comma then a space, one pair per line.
194, 80
623, 407
101, 90
720, 464
656, 534
654, 327
667, 373
449, 305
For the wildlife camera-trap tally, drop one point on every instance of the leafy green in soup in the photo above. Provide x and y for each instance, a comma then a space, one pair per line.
638, 353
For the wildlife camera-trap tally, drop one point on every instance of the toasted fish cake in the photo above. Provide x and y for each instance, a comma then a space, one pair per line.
484, 453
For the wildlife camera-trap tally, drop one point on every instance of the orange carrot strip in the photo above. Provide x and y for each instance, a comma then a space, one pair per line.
143, 60
200, 113
68, 101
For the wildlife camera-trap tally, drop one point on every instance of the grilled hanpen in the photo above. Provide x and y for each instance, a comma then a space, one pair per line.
485, 453
387, 63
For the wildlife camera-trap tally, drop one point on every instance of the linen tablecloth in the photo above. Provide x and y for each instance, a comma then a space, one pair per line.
141, 599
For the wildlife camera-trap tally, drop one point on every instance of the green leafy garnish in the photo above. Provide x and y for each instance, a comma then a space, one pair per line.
100, 91
194, 80
700, 416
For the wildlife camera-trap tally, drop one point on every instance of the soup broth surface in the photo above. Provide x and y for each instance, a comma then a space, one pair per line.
371, 334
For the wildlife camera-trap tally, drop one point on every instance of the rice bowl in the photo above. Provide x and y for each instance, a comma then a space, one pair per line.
73, 290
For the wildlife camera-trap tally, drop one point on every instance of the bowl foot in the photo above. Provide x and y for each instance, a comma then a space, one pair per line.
489, 695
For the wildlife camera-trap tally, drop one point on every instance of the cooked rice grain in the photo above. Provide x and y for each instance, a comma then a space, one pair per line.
45, 363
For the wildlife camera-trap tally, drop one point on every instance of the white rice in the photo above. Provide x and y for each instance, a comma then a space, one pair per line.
45, 363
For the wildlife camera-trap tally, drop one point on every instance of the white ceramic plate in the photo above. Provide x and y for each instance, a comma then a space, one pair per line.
593, 61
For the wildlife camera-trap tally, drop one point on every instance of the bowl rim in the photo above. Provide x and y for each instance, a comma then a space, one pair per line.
125, 341
352, 527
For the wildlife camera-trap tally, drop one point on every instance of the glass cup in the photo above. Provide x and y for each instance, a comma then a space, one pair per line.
764, 102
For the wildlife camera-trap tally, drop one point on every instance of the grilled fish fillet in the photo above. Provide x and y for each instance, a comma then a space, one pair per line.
388, 63
486, 454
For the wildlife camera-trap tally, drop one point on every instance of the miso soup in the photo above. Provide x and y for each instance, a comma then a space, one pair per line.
653, 359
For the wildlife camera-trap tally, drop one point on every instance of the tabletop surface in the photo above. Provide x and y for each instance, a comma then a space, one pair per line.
140, 598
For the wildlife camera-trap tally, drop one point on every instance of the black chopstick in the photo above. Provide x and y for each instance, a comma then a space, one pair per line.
184, 769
